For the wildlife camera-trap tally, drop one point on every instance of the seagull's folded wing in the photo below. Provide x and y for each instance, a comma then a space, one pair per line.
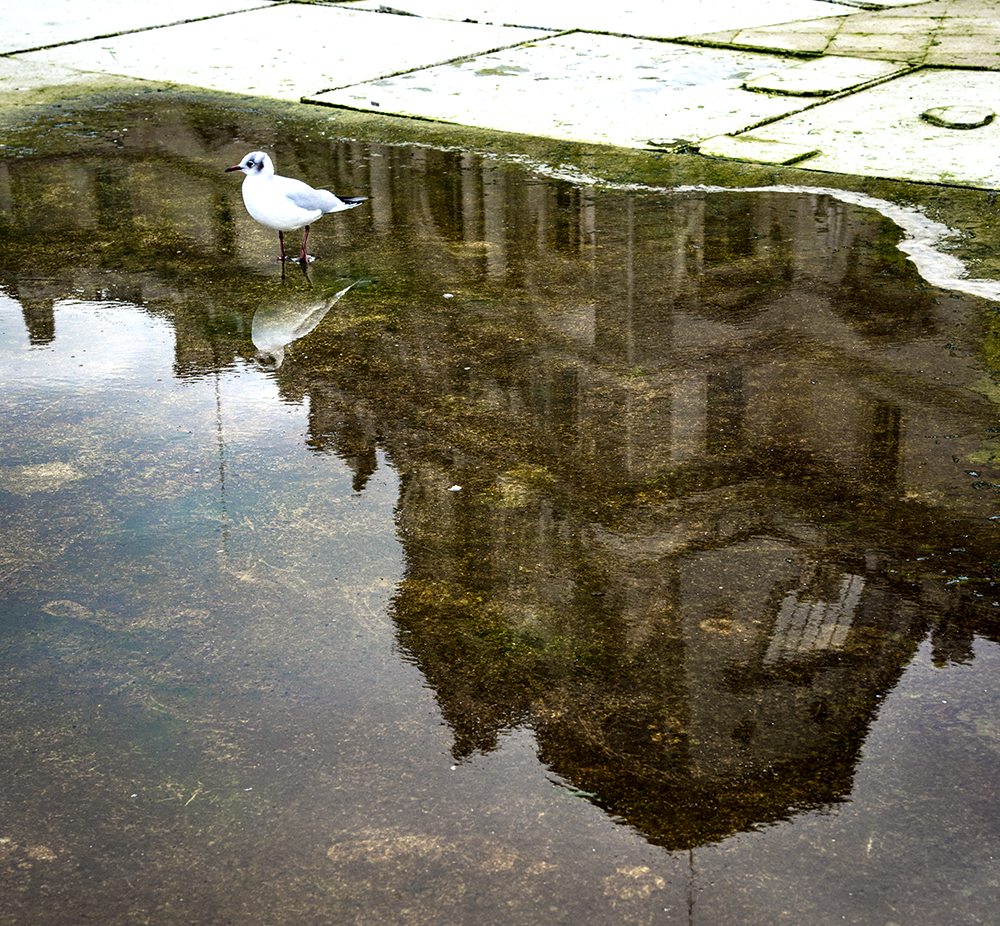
305, 197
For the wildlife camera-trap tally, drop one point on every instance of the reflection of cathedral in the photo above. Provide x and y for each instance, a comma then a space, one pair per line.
686, 498
670, 466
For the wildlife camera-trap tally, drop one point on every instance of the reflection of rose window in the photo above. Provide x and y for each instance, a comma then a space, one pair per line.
808, 623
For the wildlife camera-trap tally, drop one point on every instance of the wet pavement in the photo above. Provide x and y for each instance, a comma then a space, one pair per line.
589, 534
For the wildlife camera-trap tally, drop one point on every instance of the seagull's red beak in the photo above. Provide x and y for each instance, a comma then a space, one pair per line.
234, 167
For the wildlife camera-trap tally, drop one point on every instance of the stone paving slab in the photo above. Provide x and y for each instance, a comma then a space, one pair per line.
586, 87
753, 148
638, 18
22, 82
601, 88
880, 133
884, 4
940, 33
40, 23
825, 76
282, 51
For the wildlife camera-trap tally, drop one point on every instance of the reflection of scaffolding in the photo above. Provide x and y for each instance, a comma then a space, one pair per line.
808, 625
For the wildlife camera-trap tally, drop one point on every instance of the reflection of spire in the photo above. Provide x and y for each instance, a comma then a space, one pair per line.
222, 462
277, 324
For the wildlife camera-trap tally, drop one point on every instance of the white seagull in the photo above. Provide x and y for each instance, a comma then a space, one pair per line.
283, 203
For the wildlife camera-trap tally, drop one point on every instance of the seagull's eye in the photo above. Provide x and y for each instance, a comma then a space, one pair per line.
250, 163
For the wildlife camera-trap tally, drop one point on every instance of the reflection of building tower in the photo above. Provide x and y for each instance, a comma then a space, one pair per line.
705, 664
692, 676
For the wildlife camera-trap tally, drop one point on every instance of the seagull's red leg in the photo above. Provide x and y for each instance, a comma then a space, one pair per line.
302, 256
281, 244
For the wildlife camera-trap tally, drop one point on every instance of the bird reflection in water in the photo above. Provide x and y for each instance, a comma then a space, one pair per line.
276, 324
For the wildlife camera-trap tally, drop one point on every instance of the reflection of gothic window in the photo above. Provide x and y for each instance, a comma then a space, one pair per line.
729, 230
813, 620
881, 454
566, 218
724, 411
113, 198
565, 389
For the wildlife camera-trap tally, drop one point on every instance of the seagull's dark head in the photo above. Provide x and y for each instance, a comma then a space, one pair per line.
257, 163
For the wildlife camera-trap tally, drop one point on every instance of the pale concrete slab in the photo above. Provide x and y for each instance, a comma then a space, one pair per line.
586, 87
754, 148
909, 45
39, 23
284, 51
794, 38
826, 76
880, 133
639, 18
941, 33
24, 82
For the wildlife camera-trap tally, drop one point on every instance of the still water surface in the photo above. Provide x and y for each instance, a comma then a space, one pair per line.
541, 554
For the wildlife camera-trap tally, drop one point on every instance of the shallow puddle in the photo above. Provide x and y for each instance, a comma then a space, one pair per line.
541, 553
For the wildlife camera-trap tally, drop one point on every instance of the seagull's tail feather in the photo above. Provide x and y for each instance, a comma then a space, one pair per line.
331, 203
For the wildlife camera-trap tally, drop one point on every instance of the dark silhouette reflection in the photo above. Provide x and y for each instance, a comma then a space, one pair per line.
39, 320
952, 643
684, 480
336, 426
